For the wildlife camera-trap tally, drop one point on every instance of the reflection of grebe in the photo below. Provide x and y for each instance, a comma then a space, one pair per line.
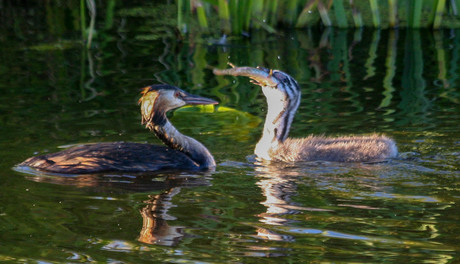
283, 98
183, 152
155, 227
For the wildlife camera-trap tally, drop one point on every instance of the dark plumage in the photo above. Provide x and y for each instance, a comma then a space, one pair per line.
283, 98
183, 152
111, 156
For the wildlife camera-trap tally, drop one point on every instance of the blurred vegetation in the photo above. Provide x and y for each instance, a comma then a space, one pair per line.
228, 17
243, 16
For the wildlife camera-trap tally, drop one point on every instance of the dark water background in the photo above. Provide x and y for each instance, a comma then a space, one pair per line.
54, 93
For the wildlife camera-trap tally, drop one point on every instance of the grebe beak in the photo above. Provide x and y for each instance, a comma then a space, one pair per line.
192, 99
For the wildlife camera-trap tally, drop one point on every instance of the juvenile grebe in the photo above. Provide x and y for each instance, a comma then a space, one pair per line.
283, 98
182, 152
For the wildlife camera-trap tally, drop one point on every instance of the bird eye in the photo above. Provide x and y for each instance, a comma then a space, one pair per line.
177, 94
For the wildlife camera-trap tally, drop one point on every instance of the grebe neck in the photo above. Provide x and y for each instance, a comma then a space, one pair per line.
167, 133
282, 104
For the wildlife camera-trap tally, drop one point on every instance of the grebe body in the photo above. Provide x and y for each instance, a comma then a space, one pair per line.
283, 98
181, 152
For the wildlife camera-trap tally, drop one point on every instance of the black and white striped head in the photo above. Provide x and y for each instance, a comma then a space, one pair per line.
282, 82
282, 93
283, 98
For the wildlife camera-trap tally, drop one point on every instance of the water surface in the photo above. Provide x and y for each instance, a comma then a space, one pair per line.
401, 83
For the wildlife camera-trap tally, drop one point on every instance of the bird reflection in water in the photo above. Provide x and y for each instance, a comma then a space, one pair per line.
284, 217
277, 186
155, 216
155, 227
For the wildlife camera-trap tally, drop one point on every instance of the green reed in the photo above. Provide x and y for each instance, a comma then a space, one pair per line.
375, 13
323, 12
357, 17
109, 14
340, 15
224, 16
307, 17
415, 12
83, 19
439, 10
183, 15
201, 14
257, 12
236, 24
392, 13
237, 16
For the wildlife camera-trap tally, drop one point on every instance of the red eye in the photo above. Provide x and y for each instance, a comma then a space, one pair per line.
177, 94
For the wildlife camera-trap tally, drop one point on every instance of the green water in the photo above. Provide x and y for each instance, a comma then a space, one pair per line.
402, 83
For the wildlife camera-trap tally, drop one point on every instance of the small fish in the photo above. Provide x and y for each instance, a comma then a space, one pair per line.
259, 76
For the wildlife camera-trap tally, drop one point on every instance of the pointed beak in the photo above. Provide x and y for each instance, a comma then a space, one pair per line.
192, 99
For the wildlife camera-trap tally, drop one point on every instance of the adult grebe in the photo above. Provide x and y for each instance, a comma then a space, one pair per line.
283, 98
182, 152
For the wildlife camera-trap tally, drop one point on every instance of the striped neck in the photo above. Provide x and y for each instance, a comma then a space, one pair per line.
282, 103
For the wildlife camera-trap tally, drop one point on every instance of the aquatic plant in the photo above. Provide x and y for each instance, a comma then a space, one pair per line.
238, 16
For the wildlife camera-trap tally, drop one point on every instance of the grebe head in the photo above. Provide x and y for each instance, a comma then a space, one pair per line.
283, 98
158, 99
277, 84
282, 93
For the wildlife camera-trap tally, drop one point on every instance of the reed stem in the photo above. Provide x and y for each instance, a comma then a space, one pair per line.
415, 13
291, 12
238, 16
357, 18
257, 12
273, 7
236, 22
246, 10
393, 13
224, 16
201, 13
324, 15
438, 14
340, 15
109, 14
375, 13
180, 17
306, 14
83, 19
